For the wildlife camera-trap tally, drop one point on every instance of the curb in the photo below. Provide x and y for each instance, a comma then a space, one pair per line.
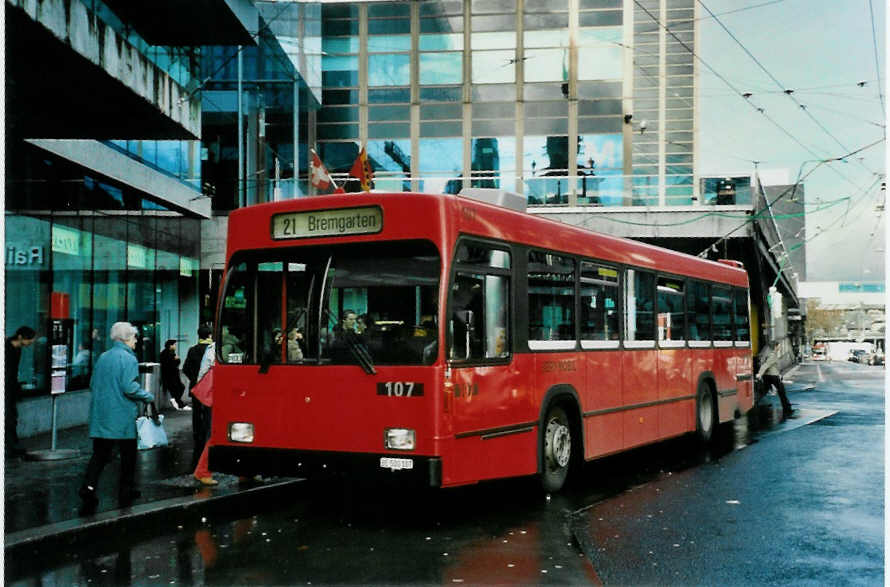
61, 536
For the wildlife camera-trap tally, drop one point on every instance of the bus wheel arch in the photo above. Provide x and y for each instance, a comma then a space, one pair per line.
707, 415
560, 437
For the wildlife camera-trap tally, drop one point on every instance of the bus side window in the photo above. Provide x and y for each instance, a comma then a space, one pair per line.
466, 317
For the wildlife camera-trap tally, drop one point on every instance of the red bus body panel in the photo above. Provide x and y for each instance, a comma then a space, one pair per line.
482, 422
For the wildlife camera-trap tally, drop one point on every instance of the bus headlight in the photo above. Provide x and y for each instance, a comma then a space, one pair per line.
398, 439
240, 432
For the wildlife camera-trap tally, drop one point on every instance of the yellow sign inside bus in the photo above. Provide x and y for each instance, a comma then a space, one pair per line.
342, 222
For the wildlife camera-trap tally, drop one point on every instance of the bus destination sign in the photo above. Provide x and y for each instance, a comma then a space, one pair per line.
342, 222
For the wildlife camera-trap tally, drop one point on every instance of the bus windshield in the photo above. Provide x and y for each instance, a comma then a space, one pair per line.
366, 304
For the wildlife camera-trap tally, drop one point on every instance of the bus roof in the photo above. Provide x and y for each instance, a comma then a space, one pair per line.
441, 217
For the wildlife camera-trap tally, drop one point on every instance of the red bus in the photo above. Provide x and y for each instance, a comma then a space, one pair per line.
448, 340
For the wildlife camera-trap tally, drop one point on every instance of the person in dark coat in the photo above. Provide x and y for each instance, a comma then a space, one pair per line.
114, 406
200, 412
170, 374
23, 337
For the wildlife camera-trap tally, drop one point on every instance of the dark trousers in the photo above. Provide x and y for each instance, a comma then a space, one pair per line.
776, 381
200, 428
12, 420
102, 456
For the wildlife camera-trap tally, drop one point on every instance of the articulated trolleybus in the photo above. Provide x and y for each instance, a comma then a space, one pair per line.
447, 340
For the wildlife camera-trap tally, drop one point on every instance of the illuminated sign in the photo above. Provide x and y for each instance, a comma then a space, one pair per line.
66, 240
341, 222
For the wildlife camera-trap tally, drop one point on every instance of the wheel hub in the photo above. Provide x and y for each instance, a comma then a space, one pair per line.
558, 444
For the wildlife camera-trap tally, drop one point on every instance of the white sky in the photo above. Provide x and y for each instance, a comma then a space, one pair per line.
821, 49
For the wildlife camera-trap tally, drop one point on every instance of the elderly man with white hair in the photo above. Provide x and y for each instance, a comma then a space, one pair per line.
114, 406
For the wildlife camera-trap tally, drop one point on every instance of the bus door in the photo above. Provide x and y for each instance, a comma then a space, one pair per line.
489, 404
674, 361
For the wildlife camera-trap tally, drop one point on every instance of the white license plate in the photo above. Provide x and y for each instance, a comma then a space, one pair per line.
396, 464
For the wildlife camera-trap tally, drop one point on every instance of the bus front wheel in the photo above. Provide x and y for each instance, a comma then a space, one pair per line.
557, 449
706, 413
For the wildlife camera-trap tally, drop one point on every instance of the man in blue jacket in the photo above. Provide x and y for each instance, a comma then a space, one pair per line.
114, 406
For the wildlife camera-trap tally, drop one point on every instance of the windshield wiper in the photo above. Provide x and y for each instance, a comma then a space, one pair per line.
356, 347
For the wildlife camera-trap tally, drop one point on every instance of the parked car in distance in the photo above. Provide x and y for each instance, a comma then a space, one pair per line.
875, 358
856, 355
819, 354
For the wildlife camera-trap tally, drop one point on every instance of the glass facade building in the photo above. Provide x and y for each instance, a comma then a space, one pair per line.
569, 102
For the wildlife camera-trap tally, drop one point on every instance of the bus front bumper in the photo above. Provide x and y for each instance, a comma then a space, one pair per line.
277, 462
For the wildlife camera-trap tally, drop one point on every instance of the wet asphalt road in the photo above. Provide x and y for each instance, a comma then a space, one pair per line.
779, 503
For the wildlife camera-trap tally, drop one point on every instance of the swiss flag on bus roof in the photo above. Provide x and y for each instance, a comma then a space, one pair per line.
318, 173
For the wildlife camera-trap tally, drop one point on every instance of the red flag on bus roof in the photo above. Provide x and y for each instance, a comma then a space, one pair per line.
362, 171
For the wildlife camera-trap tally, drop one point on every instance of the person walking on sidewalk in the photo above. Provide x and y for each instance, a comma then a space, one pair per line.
170, 374
114, 406
200, 413
204, 398
22, 338
771, 376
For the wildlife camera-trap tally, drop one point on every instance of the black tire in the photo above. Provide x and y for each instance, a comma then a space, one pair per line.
705, 413
556, 450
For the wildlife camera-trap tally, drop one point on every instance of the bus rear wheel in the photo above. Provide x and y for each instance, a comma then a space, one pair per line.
705, 413
557, 449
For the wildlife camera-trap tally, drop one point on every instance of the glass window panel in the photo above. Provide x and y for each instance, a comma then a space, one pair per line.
331, 45
389, 43
600, 294
482, 6
389, 26
440, 129
452, 94
441, 68
740, 315
721, 312
545, 5
698, 308
599, 125
389, 95
440, 111
398, 113
445, 154
548, 38
389, 70
538, 109
599, 107
639, 306
598, 90
339, 28
602, 152
547, 191
584, 4
384, 9
339, 79
342, 114
494, 110
601, 18
441, 42
390, 155
499, 22
494, 155
548, 126
493, 127
671, 309
545, 153
337, 131
493, 93
533, 92
596, 63
450, 24
494, 40
551, 297
434, 7
389, 129
599, 188
491, 67
545, 21
478, 326
339, 11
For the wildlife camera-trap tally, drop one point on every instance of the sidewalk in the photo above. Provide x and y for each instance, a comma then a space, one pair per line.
42, 504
